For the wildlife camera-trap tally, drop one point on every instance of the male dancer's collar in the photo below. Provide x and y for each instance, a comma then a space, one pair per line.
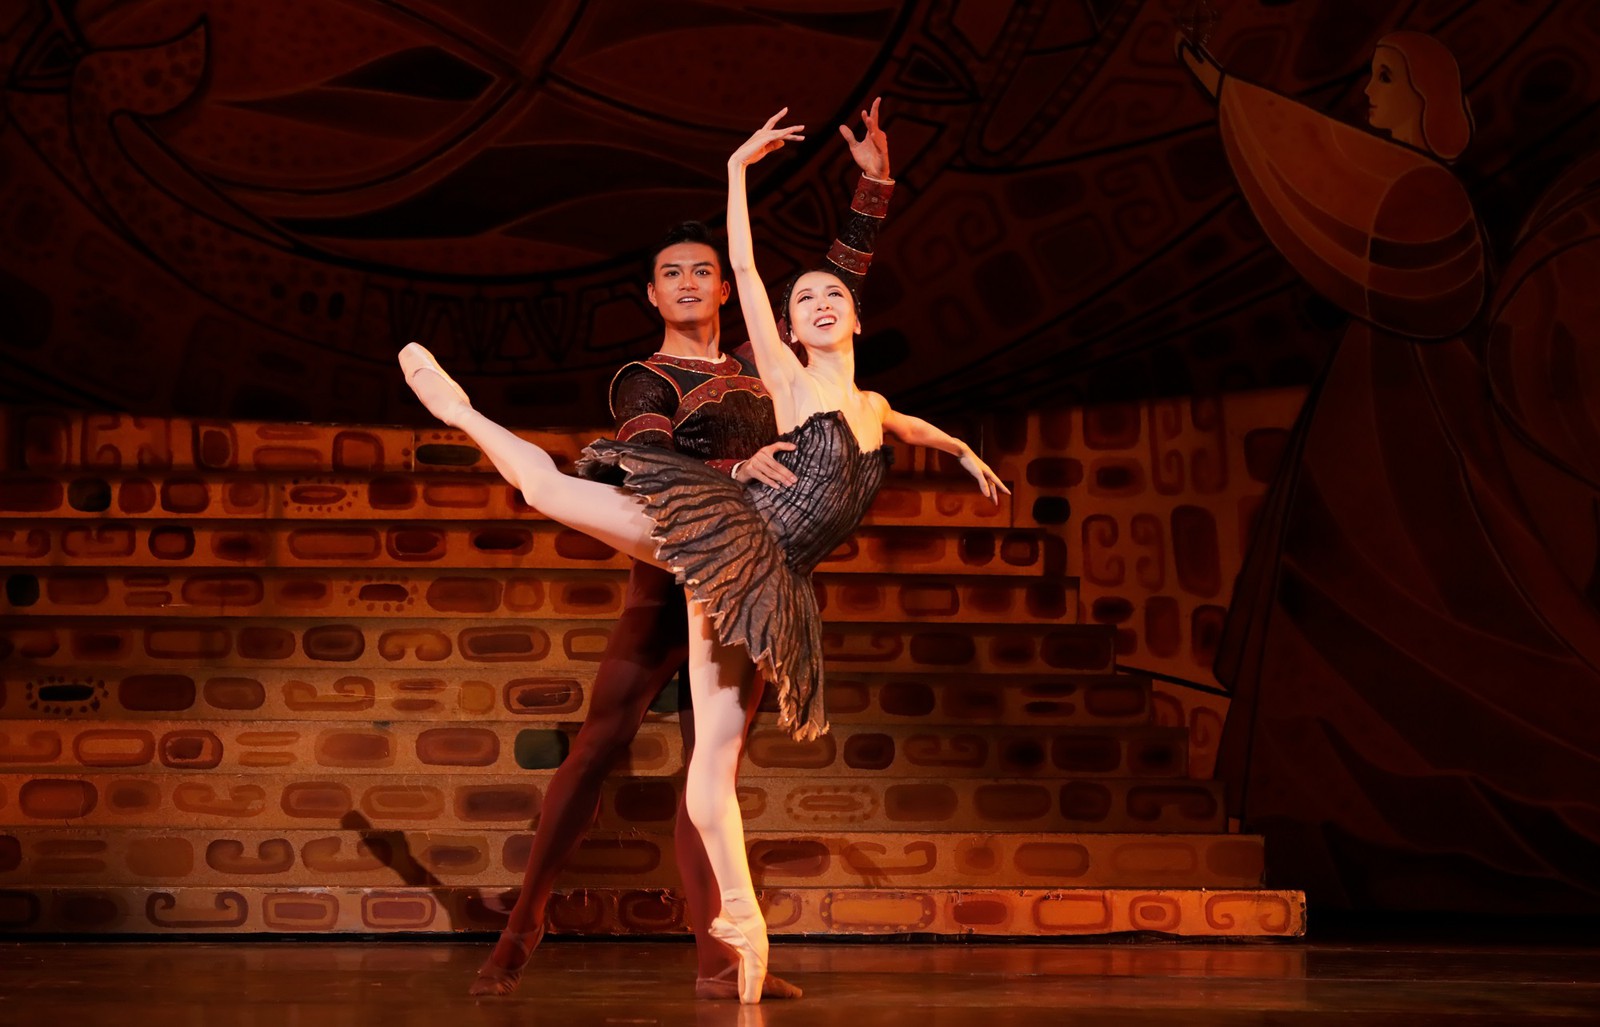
707, 364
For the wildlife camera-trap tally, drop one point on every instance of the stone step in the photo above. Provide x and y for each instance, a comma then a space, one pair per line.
1017, 700
158, 547
557, 593
1082, 803
255, 694
249, 496
39, 747
797, 911
97, 857
642, 805
66, 441
548, 647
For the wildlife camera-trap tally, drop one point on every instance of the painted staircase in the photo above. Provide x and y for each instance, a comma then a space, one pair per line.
297, 678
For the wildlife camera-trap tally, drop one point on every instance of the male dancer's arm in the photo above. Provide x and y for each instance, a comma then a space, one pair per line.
643, 404
642, 407
851, 252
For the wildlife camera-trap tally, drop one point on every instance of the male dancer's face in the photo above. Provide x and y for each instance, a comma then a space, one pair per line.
687, 285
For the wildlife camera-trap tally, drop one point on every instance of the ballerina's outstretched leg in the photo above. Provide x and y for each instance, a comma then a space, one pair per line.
718, 674
600, 511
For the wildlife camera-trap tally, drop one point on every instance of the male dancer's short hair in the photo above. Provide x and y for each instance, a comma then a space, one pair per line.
686, 231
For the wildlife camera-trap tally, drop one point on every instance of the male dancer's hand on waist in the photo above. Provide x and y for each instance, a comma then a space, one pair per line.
764, 467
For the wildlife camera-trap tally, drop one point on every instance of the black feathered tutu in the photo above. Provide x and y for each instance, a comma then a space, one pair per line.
746, 551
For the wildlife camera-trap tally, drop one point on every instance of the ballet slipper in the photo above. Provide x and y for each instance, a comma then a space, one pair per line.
447, 403
752, 956
725, 987
495, 979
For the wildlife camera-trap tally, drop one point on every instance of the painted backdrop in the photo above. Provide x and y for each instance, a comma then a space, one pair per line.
225, 209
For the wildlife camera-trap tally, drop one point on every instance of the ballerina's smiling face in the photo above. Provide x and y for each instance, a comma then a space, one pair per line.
822, 313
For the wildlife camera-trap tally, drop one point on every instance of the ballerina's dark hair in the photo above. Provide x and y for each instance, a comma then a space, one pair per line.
686, 231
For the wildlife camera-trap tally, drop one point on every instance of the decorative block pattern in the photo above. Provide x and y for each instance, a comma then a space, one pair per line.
400, 496
1154, 503
58, 441
253, 909
28, 541
1161, 496
309, 746
379, 857
555, 593
545, 644
268, 693
300, 678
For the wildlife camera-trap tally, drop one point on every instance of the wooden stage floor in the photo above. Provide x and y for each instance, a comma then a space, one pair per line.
315, 983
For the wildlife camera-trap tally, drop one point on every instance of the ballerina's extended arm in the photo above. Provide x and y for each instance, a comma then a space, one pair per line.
918, 432
780, 369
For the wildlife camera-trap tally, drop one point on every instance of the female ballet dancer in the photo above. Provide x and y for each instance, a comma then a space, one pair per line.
744, 551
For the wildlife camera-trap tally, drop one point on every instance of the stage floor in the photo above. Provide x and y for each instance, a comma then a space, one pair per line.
309, 984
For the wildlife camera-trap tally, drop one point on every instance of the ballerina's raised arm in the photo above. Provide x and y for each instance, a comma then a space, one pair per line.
824, 319
780, 369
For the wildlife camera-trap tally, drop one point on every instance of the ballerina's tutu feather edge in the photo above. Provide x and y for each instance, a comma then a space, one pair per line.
722, 550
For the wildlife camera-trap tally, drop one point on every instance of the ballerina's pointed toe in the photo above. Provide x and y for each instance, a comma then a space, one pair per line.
752, 961
446, 403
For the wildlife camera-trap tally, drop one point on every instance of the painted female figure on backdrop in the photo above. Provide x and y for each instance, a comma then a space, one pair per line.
744, 551
1418, 610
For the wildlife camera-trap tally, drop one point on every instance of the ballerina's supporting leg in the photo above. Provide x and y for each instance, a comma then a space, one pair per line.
721, 677
600, 511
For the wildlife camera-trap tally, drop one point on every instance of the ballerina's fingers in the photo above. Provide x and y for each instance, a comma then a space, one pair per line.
788, 132
773, 139
983, 483
989, 483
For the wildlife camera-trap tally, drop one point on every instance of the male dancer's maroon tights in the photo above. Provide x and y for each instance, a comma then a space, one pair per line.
648, 645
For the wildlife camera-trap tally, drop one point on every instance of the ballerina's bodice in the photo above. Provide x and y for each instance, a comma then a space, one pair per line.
746, 551
836, 482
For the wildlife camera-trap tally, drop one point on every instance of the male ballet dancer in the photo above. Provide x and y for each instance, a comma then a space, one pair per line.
693, 397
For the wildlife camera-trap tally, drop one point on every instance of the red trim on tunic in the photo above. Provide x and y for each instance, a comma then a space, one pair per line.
723, 367
725, 466
643, 423
715, 391
611, 390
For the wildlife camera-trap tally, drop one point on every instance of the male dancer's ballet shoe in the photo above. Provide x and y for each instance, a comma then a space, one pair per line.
439, 392
752, 959
724, 987
497, 979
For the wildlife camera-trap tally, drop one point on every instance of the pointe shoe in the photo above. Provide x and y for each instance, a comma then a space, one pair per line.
752, 958
446, 404
724, 987
495, 979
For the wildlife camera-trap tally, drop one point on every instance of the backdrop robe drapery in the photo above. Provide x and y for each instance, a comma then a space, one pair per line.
1413, 640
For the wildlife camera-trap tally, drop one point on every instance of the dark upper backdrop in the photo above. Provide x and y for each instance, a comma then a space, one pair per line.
256, 227
240, 209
